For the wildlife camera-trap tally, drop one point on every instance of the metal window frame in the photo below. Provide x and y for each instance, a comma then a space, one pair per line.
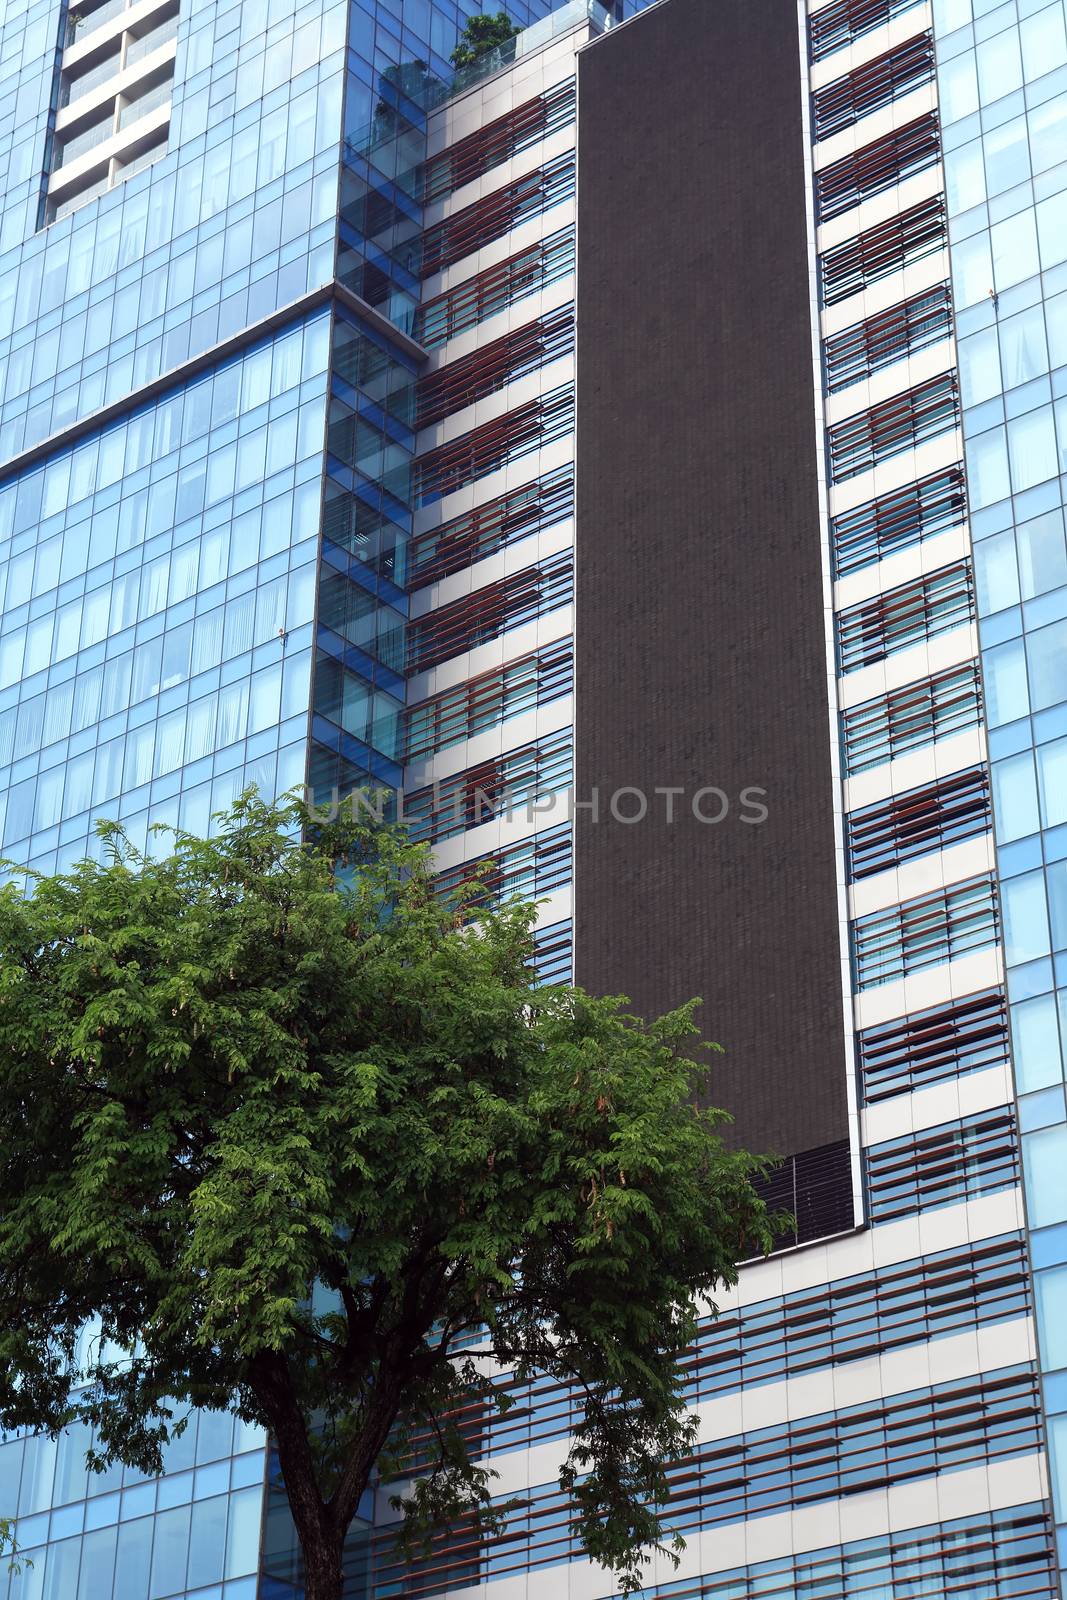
878, 82
866, 347
931, 1046
892, 522
856, 263
920, 713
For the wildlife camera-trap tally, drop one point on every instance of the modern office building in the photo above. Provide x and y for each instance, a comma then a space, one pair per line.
644, 452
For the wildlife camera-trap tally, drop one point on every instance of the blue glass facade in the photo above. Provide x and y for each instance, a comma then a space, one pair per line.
208, 496
155, 636
205, 504
1002, 77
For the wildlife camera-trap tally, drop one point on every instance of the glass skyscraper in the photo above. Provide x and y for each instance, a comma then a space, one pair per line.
670, 405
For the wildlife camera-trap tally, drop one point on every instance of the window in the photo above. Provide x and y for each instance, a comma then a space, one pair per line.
850, 1319
497, 142
494, 697
856, 1449
842, 21
533, 867
874, 253
892, 522
868, 346
900, 423
895, 157
490, 218
491, 526
930, 1046
874, 84
105, 90
486, 371
489, 612
901, 617
506, 785
484, 450
482, 296
553, 952
922, 713
940, 1166
924, 932
883, 836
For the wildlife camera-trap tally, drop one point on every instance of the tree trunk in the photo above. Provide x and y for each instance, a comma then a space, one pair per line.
323, 1570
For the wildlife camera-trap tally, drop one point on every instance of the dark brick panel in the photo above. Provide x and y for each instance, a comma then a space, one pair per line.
700, 634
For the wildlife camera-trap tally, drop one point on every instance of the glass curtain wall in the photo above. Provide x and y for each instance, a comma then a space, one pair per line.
1002, 77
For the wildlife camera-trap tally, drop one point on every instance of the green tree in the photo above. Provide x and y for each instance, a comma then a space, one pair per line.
258, 1067
482, 33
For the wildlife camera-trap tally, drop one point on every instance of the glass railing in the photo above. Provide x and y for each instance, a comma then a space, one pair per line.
414, 83
86, 141
535, 37
81, 23
137, 49
145, 103
75, 89
156, 149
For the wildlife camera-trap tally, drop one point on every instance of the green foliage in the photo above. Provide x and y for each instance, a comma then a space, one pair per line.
288, 1127
481, 34
16, 1562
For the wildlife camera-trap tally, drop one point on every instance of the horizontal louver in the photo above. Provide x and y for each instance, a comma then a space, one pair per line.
807, 1330
495, 215
489, 699
533, 508
856, 1450
838, 24
900, 423
554, 952
925, 932
886, 835
892, 522
931, 1046
878, 251
878, 341
489, 612
535, 866
493, 290
506, 785
879, 165
874, 84
921, 713
901, 617
497, 142
486, 449
957, 1161
491, 368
